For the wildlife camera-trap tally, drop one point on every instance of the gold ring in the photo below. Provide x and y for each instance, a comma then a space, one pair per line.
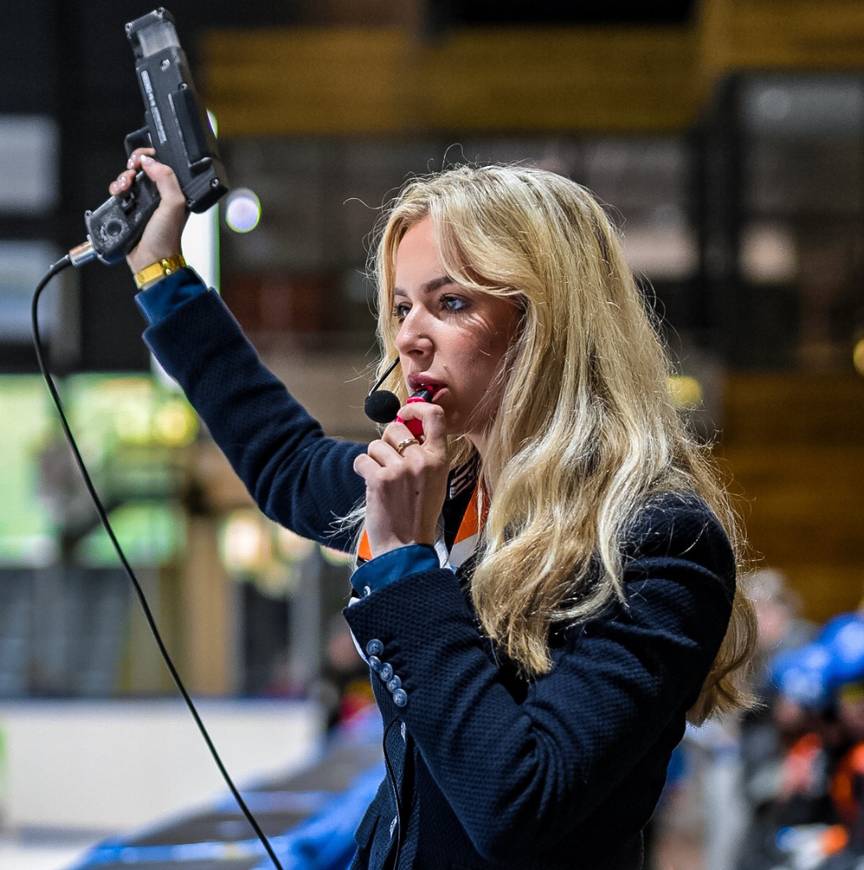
403, 445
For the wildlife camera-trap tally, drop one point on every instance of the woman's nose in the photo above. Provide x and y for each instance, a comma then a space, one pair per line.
413, 336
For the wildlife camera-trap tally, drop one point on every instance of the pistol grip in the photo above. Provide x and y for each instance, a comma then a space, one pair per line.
115, 227
138, 139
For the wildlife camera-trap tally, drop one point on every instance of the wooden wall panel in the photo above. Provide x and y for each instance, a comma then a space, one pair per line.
355, 81
784, 34
782, 409
793, 446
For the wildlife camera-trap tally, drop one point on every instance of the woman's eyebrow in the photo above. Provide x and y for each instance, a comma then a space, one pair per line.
428, 287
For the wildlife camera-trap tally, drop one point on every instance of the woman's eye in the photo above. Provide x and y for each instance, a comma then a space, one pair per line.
446, 303
454, 303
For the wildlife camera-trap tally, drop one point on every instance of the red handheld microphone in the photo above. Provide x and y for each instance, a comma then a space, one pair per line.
415, 427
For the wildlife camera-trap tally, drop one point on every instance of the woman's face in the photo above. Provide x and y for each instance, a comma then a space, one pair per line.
449, 339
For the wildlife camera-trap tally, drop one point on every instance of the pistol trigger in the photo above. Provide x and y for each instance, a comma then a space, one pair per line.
137, 139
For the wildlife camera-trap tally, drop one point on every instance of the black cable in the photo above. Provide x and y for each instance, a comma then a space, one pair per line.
37, 343
384, 376
394, 785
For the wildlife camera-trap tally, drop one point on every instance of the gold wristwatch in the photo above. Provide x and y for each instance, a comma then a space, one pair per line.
158, 270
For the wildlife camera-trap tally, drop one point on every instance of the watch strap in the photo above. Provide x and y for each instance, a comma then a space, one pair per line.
158, 270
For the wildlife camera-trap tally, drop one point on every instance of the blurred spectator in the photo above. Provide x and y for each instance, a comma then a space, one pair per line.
843, 638
789, 787
344, 689
778, 617
722, 759
769, 732
807, 804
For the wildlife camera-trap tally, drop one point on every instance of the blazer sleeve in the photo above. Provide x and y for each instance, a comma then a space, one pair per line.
521, 773
298, 477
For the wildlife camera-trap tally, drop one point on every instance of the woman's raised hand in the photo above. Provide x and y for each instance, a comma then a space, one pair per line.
162, 234
406, 480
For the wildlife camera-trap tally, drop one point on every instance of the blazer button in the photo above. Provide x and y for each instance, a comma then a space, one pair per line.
386, 671
375, 663
374, 647
394, 684
400, 698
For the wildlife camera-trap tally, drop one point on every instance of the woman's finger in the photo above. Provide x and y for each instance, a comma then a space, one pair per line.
396, 434
134, 161
365, 466
387, 454
133, 166
383, 453
434, 425
161, 174
122, 182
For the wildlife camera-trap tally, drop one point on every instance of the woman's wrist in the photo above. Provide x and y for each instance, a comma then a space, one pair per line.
138, 260
157, 270
385, 569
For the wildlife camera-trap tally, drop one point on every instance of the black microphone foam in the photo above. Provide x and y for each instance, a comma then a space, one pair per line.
382, 406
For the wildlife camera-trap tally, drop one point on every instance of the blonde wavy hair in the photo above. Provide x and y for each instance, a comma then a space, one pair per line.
586, 431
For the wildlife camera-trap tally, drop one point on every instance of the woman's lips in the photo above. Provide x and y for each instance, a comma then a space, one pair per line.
418, 382
434, 391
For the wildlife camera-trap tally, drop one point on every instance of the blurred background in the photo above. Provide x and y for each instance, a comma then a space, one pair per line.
726, 137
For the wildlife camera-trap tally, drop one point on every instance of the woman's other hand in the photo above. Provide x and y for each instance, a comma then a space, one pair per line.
161, 237
405, 489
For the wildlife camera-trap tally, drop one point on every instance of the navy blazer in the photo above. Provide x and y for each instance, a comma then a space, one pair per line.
485, 770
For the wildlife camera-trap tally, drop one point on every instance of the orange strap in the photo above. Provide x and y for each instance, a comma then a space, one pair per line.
471, 524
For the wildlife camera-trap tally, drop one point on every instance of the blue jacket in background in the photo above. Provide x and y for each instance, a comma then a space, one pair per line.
489, 771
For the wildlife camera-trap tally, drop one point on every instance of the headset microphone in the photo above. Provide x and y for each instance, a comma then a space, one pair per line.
382, 406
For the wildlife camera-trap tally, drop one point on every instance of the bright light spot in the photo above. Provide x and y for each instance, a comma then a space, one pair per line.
686, 391
133, 424
175, 424
769, 254
858, 356
244, 542
242, 210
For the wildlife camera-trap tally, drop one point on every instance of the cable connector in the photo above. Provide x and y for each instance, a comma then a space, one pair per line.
81, 254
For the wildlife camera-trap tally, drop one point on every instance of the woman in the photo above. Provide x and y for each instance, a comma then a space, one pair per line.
546, 588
